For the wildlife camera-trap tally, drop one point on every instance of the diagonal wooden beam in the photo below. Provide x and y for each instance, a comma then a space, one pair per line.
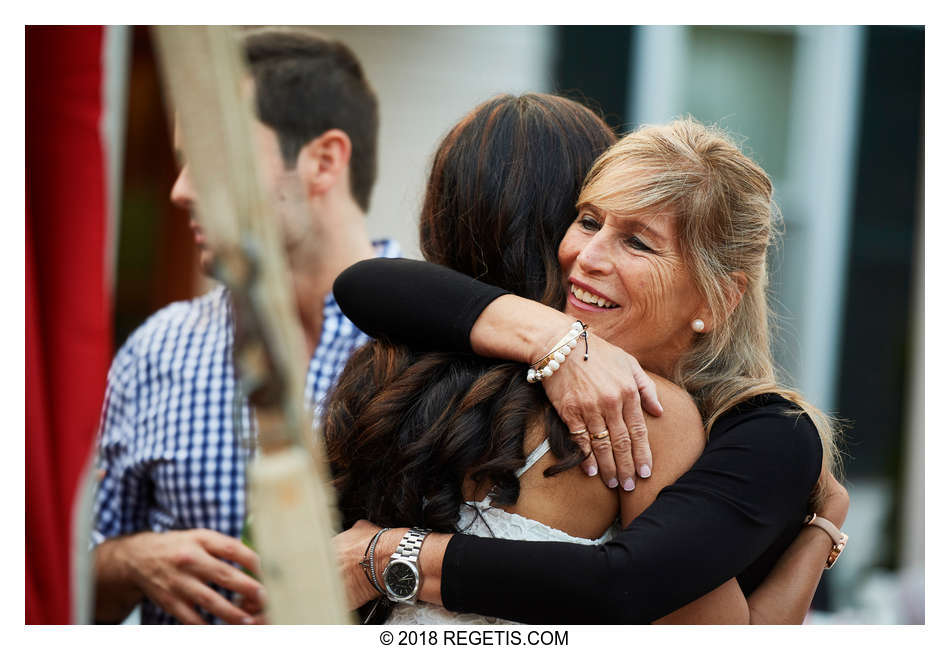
293, 504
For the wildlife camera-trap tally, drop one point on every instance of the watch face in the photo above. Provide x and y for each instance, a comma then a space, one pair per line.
401, 579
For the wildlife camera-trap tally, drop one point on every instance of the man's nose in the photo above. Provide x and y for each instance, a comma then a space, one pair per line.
183, 194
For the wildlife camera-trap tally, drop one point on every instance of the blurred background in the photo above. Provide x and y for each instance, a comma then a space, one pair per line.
834, 114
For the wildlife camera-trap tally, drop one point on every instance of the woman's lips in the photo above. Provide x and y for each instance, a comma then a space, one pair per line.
572, 299
587, 295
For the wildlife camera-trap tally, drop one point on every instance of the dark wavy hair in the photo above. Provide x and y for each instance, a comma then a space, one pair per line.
405, 428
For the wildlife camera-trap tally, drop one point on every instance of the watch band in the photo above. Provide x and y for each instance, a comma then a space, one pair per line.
408, 551
411, 544
838, 539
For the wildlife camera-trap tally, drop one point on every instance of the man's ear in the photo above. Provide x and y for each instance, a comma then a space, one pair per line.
324, 161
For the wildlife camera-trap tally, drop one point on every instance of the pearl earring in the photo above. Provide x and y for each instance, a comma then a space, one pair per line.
698, 325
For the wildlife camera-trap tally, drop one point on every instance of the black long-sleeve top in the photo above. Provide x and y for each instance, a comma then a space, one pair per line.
731, 515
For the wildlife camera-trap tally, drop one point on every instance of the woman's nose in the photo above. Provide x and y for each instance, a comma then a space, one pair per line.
594, 258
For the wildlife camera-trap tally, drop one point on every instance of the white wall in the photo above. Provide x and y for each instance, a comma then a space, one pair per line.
427, 78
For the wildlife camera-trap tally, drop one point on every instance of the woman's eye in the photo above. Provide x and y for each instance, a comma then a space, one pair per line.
637, 244
589, 223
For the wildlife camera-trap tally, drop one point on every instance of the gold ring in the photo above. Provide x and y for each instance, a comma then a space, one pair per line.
600, 436
578, 433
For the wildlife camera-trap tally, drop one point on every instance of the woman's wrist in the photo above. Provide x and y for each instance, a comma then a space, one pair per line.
517, 329
429, 562
430, 567
385, 548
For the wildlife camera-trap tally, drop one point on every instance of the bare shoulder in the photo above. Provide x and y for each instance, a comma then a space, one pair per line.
681, 421
676, 440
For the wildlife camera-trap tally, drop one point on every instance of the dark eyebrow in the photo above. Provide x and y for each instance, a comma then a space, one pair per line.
627, 221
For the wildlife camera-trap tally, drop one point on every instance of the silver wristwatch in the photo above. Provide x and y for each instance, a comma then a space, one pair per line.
401, 577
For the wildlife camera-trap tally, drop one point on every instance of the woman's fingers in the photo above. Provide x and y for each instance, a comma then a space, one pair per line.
599, 436
636, 426
635, 400
607, 396
621, 448
579, 435
646, 392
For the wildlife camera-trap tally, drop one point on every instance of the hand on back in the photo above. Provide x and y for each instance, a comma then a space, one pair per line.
608, 392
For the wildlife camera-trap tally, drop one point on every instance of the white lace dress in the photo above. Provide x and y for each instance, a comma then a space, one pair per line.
482, 519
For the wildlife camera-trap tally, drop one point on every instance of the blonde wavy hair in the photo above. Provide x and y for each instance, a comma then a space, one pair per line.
725, 222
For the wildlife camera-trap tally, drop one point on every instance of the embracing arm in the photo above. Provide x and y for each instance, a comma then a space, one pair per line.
750, 483
782, 599
710, 525
785, 595
418, 304
430, 307
702, 531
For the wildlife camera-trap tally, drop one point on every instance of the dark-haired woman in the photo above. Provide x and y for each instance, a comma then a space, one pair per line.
453, 442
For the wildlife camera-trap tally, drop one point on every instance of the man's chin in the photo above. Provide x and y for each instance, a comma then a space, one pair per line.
206, 260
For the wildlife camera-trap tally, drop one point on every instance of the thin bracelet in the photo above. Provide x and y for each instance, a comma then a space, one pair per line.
372, 560
577, 327
369, 567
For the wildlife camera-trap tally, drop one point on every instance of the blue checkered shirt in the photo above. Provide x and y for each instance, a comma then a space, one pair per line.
173, 441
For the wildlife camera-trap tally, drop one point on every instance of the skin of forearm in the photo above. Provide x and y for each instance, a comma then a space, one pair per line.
116, 591
430, 559
517, 329
786, 594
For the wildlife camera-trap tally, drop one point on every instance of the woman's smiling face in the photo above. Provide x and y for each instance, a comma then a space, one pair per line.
628, 281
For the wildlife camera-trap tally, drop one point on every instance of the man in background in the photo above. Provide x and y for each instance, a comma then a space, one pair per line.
174, 444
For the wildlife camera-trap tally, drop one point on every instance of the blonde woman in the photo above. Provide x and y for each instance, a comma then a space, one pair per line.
666, 260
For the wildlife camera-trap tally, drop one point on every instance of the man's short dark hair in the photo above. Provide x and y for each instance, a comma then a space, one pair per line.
307, 84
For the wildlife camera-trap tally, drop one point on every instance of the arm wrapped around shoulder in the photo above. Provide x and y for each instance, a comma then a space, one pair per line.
750, 485
419, 304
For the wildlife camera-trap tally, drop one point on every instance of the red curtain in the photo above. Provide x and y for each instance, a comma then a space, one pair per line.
68, 313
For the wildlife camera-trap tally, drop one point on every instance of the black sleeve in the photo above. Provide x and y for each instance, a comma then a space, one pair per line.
750, 483
419, 304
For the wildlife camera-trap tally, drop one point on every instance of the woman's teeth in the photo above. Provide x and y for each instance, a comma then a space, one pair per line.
591, 298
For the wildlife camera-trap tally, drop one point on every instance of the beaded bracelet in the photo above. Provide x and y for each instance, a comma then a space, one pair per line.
549, 363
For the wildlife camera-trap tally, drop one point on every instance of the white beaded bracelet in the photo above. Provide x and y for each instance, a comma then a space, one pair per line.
549, 363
